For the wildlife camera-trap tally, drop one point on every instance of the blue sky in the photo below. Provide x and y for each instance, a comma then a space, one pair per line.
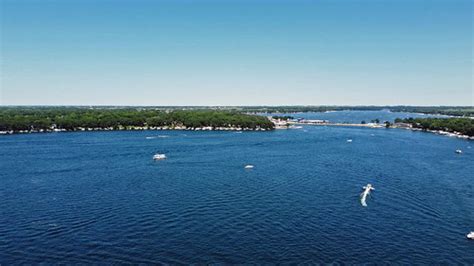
144, 52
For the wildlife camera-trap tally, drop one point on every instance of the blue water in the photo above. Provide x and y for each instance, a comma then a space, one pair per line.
356, 116
99, 197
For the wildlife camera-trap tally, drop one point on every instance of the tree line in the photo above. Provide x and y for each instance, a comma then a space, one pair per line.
464, 126
283, 117
71, 118
465, 111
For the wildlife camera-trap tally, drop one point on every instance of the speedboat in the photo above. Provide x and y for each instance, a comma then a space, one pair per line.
363, 196
349, 140
249, 166
471, 235
458, 151
159, 156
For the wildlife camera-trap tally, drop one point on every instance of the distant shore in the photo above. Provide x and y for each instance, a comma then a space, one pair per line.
290, 125
440, 132
57, 130
284, 124
41, 120
24, 120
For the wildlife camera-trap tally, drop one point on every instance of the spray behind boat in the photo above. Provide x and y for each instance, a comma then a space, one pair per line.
365, 193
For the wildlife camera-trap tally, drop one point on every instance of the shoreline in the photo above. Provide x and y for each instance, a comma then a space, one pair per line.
279, 124
440, 132
435, 115
11, 132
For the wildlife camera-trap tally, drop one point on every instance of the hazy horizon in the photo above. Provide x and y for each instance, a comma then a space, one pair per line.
238, 53
258, 105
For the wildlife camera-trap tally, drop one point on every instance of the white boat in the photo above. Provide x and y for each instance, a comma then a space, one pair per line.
363, 196
458, 151
349, 140
159, 156
249, 166
471, 235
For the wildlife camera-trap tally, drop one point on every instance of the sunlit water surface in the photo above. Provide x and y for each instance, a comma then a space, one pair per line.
99, 197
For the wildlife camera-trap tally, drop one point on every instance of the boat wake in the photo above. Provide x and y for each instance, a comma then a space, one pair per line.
159, 136
363, 196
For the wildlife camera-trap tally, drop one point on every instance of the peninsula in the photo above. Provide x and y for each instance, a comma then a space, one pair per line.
57, 119
29, 119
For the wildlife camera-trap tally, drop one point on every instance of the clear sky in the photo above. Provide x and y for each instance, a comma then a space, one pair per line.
144, 52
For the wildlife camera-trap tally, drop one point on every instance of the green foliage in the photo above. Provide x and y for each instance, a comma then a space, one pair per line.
466, 111
442, 110
462, 125
285, 117
73, 118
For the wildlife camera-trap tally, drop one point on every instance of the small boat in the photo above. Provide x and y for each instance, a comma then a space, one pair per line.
471, 235
249, 166
159, 156
349, 140
458, 151
363, 196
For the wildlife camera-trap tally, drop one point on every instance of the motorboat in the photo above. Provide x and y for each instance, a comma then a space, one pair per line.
249, 166
458, 151
365, 193
470, 235
159, 156
349, 140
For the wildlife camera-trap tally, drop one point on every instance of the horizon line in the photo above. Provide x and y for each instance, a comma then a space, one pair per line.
289, 105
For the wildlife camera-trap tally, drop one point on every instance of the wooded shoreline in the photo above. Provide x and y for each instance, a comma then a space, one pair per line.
65, 119
69, 119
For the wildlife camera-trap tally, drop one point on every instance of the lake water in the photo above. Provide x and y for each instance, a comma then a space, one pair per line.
99, 197
356, 116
